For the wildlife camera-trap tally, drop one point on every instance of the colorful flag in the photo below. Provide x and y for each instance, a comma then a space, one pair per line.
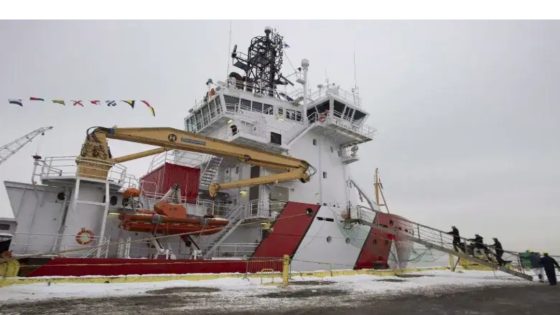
150, 107
15, 101
77, 103
36, 99
129, 102
111, 103
61, 102
95, 102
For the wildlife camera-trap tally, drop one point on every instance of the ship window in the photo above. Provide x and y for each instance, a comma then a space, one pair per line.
347, 240
212, 108
314, 141
332, 150
338, 108
359, 115
113, 200
257, 107
320, 218
329, 219
231, 102
324, 174
309, 211
329, 239
237, 170
245, 104
268, 109
280, 111
4, 226
275, 138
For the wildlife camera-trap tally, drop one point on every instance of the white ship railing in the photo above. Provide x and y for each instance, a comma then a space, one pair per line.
347, 96
58, 167
52, 244
361, 129
235, 249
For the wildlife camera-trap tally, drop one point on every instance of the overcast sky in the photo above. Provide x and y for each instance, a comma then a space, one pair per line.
467, 112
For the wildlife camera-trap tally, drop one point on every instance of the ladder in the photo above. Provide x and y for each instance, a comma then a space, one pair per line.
443, 242
210, 171
13, 147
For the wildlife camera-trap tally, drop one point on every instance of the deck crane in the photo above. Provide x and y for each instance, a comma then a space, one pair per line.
6, 151
95, 159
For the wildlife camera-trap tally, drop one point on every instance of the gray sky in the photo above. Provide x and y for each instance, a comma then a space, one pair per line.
466, 111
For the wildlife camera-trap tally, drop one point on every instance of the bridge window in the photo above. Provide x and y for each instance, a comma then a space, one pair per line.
338, 108
293, 114
268, 109
231, 103
245, 104
257, 107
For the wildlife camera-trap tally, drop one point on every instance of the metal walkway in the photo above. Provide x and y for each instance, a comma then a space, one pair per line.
442, 241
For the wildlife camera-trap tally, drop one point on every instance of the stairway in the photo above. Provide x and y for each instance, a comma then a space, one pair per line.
441, 241
235, 219
209, 172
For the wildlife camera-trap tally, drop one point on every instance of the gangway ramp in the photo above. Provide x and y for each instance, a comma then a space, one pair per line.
439, 240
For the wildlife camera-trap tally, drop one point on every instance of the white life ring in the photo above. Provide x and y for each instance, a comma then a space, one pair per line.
84, 237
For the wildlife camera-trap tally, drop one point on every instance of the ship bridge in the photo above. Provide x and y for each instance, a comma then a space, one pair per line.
272, 120
338, 114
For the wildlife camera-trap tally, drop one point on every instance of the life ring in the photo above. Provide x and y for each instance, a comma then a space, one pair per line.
322, 117
84, 237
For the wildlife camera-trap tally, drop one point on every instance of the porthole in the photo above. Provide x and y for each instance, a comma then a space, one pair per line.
309, 211
329, 239
61, 196
347, 240
113, 200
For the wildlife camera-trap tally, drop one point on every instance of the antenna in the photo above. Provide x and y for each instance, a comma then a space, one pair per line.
355, 90
355, 80
229, 50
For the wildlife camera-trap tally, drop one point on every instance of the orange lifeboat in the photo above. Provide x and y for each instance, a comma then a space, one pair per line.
169, 218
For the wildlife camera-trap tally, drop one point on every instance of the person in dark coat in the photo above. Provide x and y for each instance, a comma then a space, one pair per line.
499, 251
479, 246
456, 238
536, 265
548, 263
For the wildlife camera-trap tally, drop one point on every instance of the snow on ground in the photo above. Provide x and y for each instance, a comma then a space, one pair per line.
250, 294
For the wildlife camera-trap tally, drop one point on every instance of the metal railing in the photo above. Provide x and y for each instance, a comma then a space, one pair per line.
65, 166
46, 244
431, 237
361, 129
235, 249
348, 96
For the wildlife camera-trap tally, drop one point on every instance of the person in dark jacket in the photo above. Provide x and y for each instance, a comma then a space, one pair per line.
536, 265
456, 238
479, 246
548, 263
499, 251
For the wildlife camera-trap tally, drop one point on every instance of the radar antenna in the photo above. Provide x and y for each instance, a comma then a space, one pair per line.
263, 62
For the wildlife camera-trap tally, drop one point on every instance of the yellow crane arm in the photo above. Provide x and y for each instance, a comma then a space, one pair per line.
95, 159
